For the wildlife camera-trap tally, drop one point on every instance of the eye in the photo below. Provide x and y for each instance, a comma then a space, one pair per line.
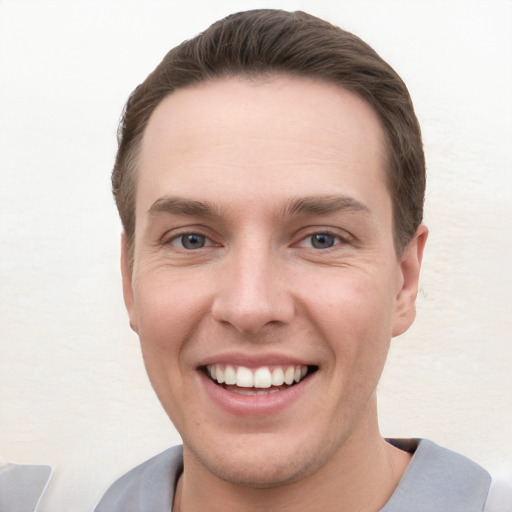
191, 241
320, 240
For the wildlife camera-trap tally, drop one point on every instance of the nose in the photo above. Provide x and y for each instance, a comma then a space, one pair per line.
253, 292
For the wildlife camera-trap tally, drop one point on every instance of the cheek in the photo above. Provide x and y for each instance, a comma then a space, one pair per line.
354, 314
353, 303
168, 311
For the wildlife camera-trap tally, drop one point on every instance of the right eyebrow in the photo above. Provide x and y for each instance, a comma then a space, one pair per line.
179, 206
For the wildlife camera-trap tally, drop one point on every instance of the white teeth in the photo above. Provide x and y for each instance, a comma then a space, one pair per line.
289, 375
278, 377
261, 378
229, 376
244, 378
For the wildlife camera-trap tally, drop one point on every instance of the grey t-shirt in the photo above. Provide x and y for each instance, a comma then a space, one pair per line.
436, 480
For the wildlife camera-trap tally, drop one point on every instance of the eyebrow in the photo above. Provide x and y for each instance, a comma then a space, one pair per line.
323, 205
309, 205
180, 206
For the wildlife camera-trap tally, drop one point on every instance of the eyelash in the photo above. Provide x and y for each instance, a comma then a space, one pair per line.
182, 236
337, 239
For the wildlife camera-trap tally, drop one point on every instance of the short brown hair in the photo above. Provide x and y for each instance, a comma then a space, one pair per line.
267, 41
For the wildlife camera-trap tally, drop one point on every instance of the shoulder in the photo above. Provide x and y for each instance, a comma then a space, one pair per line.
148, 487
438, 479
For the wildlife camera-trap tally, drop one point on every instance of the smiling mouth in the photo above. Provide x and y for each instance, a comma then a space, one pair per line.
258, 381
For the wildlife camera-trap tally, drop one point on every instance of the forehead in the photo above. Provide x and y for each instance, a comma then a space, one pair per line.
276, 133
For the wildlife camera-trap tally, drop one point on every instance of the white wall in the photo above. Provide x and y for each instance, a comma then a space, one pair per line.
73, 391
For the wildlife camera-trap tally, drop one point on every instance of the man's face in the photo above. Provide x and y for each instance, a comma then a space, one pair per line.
263, 252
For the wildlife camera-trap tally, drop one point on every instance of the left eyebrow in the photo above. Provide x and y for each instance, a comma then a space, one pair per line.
323, 205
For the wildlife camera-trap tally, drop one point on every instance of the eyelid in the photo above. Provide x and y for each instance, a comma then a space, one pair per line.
207, 242
170, 236
341, 236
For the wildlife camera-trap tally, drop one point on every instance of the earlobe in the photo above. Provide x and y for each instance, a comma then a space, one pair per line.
127, 275
410, 265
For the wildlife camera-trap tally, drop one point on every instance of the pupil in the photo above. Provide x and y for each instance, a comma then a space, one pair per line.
322, 241
192, 241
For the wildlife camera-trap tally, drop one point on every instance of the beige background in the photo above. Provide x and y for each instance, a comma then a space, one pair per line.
73, 391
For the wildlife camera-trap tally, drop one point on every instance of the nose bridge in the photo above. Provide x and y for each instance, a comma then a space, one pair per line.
253, 291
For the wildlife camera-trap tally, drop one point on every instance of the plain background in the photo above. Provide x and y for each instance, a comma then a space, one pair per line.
73, 390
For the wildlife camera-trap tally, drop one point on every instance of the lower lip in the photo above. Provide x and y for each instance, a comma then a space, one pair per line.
253, 405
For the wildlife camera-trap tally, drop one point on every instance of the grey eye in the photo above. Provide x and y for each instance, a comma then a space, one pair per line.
193, 241
322, 240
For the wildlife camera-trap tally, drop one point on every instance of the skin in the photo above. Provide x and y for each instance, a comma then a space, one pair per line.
271, 160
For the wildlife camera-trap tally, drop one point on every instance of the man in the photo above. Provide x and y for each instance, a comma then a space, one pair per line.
270, 179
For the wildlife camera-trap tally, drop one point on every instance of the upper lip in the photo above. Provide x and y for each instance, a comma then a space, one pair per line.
253, 361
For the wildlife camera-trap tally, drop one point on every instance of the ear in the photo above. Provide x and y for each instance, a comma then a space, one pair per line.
127, 274
407, 281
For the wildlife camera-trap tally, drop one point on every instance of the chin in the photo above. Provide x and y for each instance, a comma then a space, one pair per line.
259, 474
262, 464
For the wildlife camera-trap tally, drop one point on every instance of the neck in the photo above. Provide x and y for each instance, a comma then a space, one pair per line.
360, 477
